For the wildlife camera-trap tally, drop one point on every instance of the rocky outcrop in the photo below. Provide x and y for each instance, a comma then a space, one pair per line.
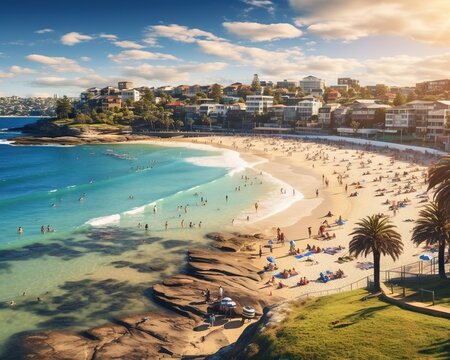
75, 140
156, 335
149, 336
208, 270
235, 242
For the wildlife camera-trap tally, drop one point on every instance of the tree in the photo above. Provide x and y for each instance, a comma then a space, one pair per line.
439, 180
411, 96
381, 90
380, 116
190, 123
206, 120
256, 85
355, 126
63, 108
179, 124
216, 92
432, 227
399, 99
364, 93
376, 235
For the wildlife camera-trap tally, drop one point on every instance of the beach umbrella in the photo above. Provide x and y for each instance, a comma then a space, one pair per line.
425, 257
271, 259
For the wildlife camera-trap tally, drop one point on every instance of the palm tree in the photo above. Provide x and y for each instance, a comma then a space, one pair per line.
432, 228
439, 179
376, 235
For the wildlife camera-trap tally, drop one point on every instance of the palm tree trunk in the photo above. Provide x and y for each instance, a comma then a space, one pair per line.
376, 271
441, 259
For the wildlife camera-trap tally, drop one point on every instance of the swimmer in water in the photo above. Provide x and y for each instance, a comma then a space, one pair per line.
20, 230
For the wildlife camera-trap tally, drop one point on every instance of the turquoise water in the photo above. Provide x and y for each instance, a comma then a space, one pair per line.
98, 260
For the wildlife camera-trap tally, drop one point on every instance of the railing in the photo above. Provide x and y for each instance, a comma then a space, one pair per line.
423, 268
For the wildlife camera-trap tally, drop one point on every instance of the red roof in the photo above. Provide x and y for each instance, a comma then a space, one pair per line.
176, 103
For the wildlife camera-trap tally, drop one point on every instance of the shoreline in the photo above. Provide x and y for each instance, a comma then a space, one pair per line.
305, 174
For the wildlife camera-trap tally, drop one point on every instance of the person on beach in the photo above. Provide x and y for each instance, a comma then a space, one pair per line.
317, 192
146, 227
226, 198
165, 225
220, 293
260, 251
278, 234
256, 206
309, 231
182, 223
270, 242
212, 319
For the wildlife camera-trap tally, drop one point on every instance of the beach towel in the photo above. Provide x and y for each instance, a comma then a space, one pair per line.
309, 253
280, 276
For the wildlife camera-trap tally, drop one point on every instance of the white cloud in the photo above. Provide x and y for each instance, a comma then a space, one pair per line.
262, 32
264, 4
140, 55
405, 70
425, 21
128, 44
85, 58
58, 64
43, 31
178, 33
77, 82
73, 38
6, 75
15, 69
108, 36
172, 73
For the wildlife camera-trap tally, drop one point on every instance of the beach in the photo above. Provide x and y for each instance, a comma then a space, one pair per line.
313, 179
305, 167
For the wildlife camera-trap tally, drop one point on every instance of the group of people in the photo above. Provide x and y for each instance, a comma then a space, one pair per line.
287, 273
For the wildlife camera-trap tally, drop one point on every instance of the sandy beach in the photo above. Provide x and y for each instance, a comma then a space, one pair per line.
379, 177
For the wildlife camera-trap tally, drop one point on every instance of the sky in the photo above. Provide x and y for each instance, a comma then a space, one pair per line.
56, 47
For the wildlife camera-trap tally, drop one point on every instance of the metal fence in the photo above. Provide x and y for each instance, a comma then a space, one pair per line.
416, 270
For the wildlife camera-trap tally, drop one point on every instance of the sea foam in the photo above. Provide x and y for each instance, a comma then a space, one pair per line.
104, 220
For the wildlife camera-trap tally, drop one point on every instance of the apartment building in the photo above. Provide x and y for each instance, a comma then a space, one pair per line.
287, 84
312, 85
124, 85
437, 123
351, 83
325, 116
130, 94
258, 104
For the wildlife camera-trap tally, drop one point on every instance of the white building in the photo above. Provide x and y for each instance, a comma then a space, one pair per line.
312, 85
130, 94
258, 104
400, 117
308, 107
214, 111
326, 114
437, 123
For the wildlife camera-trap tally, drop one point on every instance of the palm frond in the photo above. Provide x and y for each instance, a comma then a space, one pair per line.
375, 234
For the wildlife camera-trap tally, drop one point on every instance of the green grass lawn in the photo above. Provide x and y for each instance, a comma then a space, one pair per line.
370, 329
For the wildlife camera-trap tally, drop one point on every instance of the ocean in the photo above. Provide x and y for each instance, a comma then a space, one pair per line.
85, 251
